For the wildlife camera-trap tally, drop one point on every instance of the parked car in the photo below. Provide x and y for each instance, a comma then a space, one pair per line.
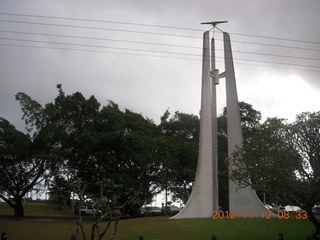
150, 211
170, 210
89, 210
316, 210
278, 209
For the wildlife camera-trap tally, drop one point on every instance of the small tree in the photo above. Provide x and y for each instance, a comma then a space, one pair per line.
108, 201
59, 190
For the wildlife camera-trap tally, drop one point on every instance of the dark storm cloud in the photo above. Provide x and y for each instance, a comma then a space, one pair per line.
150, 85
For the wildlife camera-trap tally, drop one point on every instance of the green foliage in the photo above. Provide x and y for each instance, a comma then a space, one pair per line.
183, 132
94, 142
75, 138
250, 121
23, 164
283, 160
250, 118
108, 201
32, 112
179, 165
269, 161
59, 190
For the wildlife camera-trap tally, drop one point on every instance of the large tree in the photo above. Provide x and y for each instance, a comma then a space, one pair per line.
284, 161
103, 142
22, 165
74, 137
25, 159
182, 132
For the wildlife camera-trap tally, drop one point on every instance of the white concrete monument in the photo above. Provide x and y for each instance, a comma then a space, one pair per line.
244, 200
200, 203
204, 196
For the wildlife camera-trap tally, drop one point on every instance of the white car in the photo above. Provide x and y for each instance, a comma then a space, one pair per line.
170, 210
316, 210
89, 210
278, 209
150, 211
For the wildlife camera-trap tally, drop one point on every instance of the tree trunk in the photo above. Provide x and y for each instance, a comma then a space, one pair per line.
18, 208
114, 229
93, 229
314, 220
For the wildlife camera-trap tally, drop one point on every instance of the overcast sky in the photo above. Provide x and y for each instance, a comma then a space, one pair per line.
280, 86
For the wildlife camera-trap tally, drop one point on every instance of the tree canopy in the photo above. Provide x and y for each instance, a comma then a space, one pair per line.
75, 137
182, 133
23, 164
283, 160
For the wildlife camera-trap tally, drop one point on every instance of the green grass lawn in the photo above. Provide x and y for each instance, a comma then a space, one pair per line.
155, 228
37, 209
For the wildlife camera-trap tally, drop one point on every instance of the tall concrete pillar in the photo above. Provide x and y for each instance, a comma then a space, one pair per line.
244, 199
200, 203
214, 82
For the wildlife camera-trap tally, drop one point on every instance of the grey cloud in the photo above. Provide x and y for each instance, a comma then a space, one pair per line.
150, 84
